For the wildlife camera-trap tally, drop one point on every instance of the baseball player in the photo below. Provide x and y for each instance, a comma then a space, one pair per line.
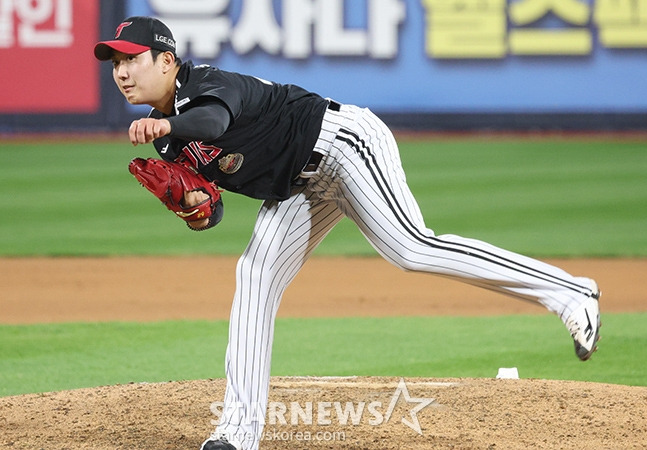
312, 161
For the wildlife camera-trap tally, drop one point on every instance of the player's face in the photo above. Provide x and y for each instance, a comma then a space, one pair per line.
139, 78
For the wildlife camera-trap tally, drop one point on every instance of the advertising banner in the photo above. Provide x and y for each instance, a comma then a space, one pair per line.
427, 56
46, 48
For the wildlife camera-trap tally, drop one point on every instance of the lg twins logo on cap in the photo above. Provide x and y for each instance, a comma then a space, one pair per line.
121, 27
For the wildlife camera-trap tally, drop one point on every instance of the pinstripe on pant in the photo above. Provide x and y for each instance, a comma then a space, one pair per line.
360, 177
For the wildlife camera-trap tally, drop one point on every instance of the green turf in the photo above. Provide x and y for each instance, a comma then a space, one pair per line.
550, 198
542, 198
38, 358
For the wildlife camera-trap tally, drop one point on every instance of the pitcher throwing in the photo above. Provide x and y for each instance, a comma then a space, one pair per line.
312, 161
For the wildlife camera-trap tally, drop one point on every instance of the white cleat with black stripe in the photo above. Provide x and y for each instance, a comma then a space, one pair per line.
584, 325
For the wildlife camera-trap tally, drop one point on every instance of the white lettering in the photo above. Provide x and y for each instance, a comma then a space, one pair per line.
331, 38
6, 24
257, 26
298, 17
378, 418
276, 412
384, 19
324, 413
349, 411
347, 414
216, 409
297, 412
203, 37
189, 7
31, 18
165, 40
307, 27
198, 25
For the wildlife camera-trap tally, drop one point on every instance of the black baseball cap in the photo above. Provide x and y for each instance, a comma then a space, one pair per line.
136, 35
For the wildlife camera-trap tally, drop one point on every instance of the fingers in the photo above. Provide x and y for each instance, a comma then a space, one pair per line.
144, 131
192, 198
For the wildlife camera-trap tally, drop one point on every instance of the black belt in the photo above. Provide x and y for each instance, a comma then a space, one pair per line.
313, 162
311, 166
315, 158
334, 106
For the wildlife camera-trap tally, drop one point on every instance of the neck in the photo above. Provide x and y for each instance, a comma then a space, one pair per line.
167, 103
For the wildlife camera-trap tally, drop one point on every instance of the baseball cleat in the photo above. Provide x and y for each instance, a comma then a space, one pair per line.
584, 325
217, 444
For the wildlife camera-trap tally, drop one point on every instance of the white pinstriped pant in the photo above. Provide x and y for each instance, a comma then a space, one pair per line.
360, 177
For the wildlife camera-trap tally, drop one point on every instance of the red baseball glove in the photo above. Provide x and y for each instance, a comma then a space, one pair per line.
168, 181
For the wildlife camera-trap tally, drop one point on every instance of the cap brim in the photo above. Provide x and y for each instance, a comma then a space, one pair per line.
103, 50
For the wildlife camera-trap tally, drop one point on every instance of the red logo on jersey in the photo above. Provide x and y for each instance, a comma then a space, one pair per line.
121, 27
201, 154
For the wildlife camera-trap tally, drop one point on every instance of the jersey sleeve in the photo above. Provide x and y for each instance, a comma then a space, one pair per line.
205, 121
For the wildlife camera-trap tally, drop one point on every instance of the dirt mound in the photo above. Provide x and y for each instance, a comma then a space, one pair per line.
345, 413
339, 413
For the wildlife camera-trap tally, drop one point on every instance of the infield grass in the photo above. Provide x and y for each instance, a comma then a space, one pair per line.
544, 198
547, 197
48, 357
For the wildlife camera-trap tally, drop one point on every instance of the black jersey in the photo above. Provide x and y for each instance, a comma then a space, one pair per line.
270, 138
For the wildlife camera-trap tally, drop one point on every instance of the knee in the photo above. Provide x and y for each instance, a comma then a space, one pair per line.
248, 268
407, 261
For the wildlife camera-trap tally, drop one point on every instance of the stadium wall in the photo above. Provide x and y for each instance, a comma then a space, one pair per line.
420, 64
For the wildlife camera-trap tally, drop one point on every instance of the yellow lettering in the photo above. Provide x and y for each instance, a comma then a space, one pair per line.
549, 41
622, 23
466, 28
554, 42
528, 11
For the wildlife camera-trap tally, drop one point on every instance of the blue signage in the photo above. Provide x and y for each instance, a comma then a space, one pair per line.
428, 56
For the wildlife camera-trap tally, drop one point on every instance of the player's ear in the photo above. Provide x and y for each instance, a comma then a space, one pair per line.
168, 60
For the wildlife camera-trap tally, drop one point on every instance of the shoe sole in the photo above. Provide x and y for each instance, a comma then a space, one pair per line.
587, 354
580, 351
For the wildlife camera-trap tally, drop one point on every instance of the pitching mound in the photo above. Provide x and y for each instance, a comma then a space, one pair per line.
339, 413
